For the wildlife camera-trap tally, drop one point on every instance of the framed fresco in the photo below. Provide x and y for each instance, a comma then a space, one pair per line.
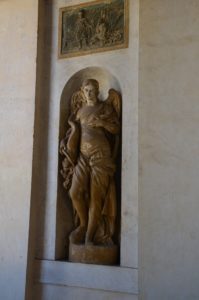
93, 27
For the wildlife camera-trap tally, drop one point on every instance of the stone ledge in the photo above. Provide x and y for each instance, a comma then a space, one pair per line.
108, 278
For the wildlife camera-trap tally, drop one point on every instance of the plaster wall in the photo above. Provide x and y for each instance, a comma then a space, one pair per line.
50, 292
52, 76
18, 42
168, 146
168, 150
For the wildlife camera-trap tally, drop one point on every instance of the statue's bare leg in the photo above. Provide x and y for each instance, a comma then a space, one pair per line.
78, 199
97, 198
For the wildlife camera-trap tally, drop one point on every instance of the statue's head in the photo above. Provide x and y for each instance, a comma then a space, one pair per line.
90, 88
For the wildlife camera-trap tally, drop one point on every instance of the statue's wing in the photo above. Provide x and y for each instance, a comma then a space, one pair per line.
114, 99
76, 101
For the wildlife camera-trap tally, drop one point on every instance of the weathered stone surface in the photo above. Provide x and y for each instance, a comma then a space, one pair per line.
90, 147
91, 254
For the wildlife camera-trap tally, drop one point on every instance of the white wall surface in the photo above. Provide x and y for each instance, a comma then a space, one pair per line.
118, 63
169, 150
18, 37
51, 292
53, 74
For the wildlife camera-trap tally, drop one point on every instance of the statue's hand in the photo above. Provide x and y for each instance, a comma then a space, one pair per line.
97, 123
62, 147
100, 123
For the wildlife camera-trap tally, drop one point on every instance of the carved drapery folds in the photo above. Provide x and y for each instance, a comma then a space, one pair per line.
89, 150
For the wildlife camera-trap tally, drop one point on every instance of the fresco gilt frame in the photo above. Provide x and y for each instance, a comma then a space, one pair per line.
92, 27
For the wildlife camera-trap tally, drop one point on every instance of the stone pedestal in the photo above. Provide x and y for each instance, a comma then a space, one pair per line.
91, 254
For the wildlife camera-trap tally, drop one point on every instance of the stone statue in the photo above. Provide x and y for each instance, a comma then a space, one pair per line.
90, 148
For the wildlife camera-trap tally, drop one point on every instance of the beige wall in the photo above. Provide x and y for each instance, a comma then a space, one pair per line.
111, 68
18, 32
169, 149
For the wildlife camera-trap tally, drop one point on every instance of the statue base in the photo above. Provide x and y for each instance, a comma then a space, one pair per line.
93, 254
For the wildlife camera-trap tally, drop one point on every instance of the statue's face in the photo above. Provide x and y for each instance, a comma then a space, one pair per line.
90, 94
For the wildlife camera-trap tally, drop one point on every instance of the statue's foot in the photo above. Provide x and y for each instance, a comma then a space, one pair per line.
78, 235
89, 243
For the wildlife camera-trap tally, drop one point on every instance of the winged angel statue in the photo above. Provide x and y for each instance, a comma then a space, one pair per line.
90, 148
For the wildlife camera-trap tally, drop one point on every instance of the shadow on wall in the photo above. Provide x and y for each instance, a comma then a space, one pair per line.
40, 147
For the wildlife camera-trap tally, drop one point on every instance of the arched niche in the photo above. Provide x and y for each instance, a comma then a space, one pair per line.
64, 218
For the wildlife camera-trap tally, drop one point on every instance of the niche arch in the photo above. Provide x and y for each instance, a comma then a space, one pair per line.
64, 217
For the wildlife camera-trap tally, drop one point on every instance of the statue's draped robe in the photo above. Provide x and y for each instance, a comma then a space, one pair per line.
93, 146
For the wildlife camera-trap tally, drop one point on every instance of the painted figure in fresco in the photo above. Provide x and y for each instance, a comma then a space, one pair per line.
83, 30
101, 30
90, 148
